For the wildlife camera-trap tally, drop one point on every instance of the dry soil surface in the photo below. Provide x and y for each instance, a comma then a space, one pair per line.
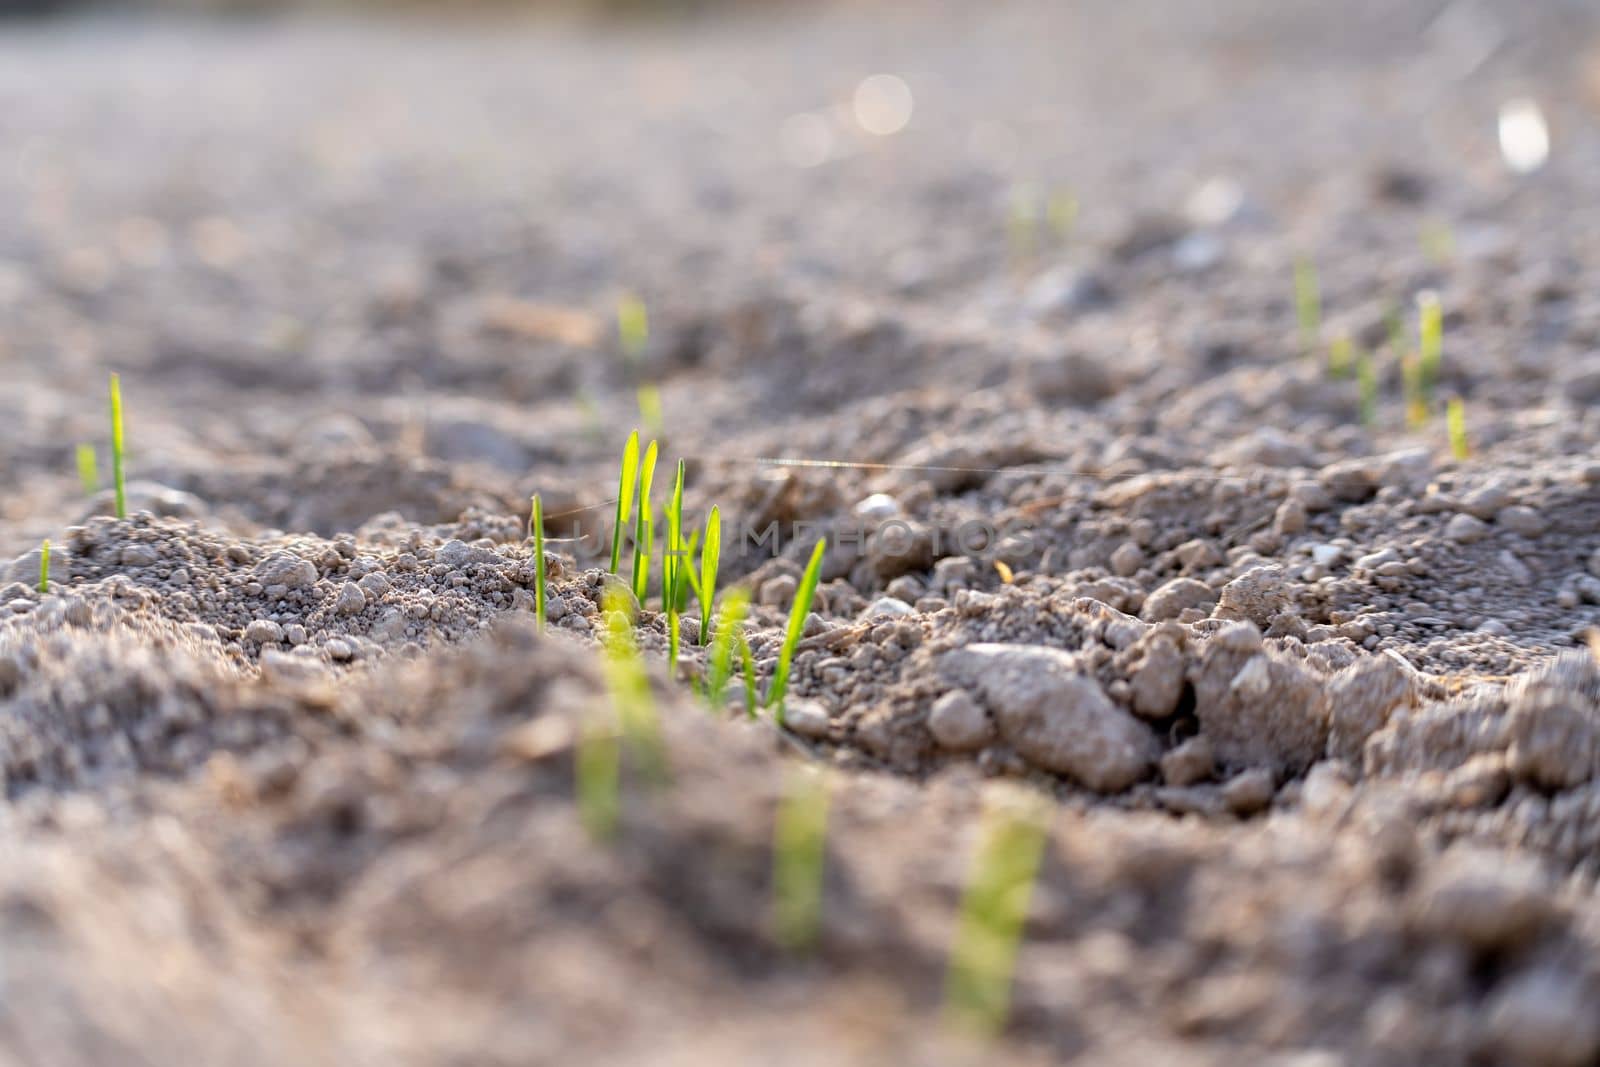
289, 774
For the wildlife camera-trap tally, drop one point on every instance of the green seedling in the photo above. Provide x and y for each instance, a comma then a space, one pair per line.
673, 568
1367, 382
625, 485
1455, 415
1438, 242
1061, 213
88, 470
644, 528
799, 849
1341, 357
747, 667
629, 685
1430, 341
44, 566
536, 530
117, 454
633, 327
1022, 224
730, 632
710, 559
1416, 393
797, 624
1308, 304
598, 771
650, 408
994, 911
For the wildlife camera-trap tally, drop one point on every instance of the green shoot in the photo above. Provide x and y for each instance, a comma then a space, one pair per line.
1308, 304
650, 408
599, 772
1341, 357
629, 685
710, 559
1061, 213
630, 471
1416, 392
673, 566
797, 624
730, 624
633, 326
644, 530
994, 910
536, 528
1367, 379
88, 470
1022, 222
799, 848
747, 666
117, 447
1430, 341
1438, 242
1455, 416
1397, 333
44, 566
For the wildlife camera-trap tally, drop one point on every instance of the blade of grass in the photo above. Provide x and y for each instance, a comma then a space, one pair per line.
1341, 357
598, 773
1455, 414
1415, 394
88, 470
649, 397
1308, 304
673, 566
797, 624
536, 528
117, 453
710, 560
44, 566
629, 685
633, 327
1367, 380
625, 485
994, 911
730, 624
1430, 342
799, 851
644, 530
747, 666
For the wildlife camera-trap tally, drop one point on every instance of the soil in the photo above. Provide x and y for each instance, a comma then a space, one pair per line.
289, 770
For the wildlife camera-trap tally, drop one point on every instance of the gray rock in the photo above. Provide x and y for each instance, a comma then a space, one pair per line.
887, 607
1248, 792
1360, 700
1257, 595
263, 632
958, 723
1053, 714
1157, 678
1465, 529
777, 592
286, 570
1258, 708
351, 600
1544, 1018
806, 718
1171, 599
1189, 763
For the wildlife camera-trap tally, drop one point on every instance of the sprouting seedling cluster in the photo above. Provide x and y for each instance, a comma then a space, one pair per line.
799, 845
44, 566
994, 909
1034, 216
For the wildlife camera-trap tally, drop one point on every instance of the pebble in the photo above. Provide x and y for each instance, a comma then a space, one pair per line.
1056, 716
1172, 598
958, 723
807, 718
1126, 560
887, 606
137, 555
1248, 792
263, 631
286, 571
1466, 529
1189, 763
351, 600
1544, 1018
778, 591
1521, 520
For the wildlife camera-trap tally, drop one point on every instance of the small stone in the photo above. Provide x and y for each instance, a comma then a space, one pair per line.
778, 591
807, 718
1126, 560
1466, 529
351, 600
1544, 1018
958, 723
1521, 520
1158, 678
295, 634
263, 632
286, 570
338, 649
1483, 898
1189, 763
139, 555
1360, 700
374, 585
1248, 792
1290, 518
879, 507
1172, 598
1484, 501
1055, 715
1326, 555
1257, 595
887, 607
